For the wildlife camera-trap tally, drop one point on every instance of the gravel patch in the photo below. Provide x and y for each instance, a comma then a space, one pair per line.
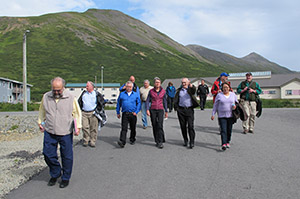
21, 144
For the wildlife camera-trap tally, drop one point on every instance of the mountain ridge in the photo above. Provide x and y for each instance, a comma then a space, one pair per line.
75, 46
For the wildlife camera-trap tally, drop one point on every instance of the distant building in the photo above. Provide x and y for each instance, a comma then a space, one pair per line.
274, 86
110, 90
11, 91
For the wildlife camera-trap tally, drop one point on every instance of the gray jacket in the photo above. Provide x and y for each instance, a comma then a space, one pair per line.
59, 120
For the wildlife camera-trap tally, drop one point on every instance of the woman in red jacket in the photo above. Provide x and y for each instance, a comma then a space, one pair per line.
217, 88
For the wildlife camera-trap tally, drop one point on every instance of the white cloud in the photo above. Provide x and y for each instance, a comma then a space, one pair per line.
39, 7
232, 26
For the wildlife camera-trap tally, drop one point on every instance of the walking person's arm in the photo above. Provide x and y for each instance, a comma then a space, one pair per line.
77, 116
42, 116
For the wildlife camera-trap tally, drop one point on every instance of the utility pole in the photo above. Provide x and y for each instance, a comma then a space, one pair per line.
24, 72
102, 67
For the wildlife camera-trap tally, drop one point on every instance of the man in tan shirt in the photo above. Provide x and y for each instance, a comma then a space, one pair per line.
59, 118
144, 91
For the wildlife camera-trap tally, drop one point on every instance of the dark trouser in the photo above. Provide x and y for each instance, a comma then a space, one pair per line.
131, 119
226, 129
202, 101
66, 151
157, 120
170, 103
186, 121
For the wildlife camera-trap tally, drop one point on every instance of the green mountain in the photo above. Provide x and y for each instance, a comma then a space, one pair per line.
75, 46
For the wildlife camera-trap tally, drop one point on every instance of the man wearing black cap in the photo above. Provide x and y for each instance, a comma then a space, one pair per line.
248, 91
217, 86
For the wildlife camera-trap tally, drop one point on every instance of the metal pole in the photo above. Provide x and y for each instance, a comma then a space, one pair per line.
102, 67
24, 73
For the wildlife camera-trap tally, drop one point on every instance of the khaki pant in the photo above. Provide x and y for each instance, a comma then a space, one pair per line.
250, 108
89, 127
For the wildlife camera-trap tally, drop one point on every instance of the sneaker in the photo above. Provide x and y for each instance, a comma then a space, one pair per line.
245, 131
251, 131
120, 144
132, 142
160, 145
93, 145
85, 144
223, 148
227, 145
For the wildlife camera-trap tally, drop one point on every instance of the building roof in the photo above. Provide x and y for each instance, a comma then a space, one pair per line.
14, 81
276, 80
99, 85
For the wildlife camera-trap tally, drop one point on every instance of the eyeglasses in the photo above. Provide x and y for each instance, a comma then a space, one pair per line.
56, 91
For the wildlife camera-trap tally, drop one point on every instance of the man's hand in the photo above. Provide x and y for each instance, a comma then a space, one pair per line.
134, 113
166, 114
252, 90
118, 116
245, 89
148, 112
42, 129
77, 132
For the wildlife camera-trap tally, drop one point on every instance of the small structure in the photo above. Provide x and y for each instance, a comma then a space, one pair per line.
274, 86
110, 90
11, 91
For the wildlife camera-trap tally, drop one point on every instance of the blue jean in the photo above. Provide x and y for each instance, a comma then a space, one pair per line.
66, 151
226, 129
144, 114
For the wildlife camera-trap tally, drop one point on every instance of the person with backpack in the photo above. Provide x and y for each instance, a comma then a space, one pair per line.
249, 91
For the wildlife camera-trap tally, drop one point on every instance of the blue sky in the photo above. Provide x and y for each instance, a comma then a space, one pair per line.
270, 28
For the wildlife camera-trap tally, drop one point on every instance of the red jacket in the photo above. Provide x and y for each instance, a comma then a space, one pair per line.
216, 87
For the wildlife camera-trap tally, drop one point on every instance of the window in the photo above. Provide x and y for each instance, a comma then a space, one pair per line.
272, 92
288, 92
81, 89
71, 89
114, 95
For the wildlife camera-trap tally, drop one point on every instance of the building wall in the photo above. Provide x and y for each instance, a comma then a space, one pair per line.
11, 92
270, 93
291, 90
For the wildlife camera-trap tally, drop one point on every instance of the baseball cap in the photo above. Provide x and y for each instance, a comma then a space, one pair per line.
224, 74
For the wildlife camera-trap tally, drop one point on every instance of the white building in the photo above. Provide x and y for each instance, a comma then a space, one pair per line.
110, 90
274, 86
11, 91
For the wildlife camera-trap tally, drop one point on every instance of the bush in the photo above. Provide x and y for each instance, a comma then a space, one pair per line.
7, 107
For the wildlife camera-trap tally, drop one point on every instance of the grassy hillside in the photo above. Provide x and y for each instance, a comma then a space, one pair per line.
76, 45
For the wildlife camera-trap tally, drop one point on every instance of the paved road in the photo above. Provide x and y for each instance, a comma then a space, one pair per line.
261, 165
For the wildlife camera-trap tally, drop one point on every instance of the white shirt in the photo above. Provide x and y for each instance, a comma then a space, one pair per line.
89, 101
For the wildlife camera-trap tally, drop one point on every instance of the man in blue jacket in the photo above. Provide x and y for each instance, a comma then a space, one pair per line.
170, 90
130, 103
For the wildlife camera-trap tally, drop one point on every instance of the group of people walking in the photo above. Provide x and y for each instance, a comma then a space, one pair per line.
61, 116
